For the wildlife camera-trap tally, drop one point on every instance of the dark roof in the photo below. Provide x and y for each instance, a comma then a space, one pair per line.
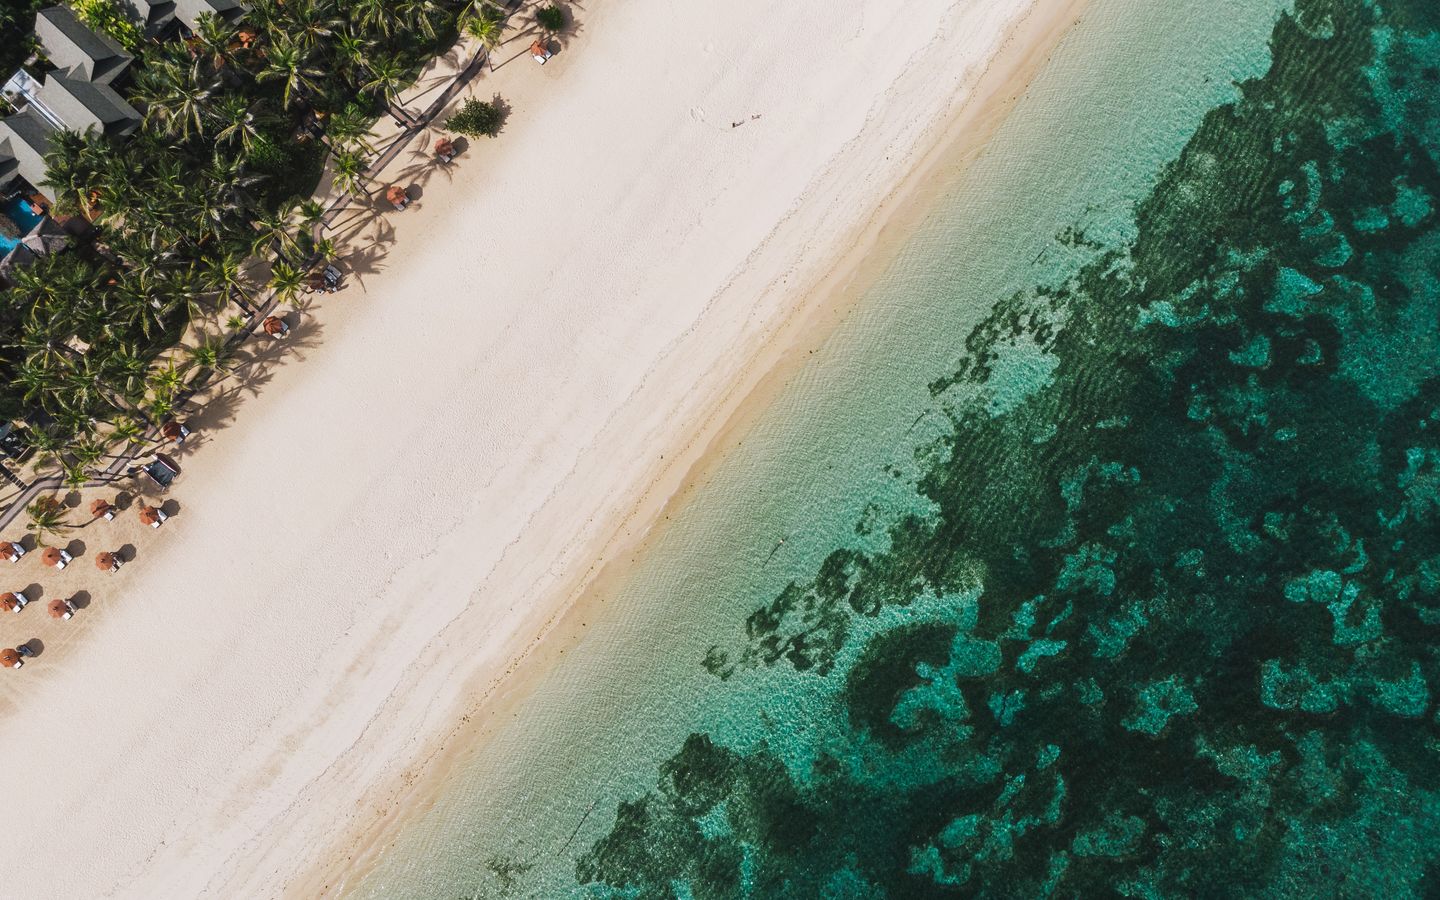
24, 141
83, 105
70, 44
152, 15
190, 11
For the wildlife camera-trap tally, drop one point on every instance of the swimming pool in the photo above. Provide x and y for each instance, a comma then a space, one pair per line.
17, 210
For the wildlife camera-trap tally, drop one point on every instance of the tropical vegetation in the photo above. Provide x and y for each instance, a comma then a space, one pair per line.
551, 18
238, 120
476, 118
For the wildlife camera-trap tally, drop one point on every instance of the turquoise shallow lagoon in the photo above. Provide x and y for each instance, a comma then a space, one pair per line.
1097, 553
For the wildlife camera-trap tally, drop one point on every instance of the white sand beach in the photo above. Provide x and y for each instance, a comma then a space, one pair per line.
374, 525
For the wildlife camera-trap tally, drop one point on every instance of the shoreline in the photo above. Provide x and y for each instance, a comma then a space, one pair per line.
321, 734
818, 310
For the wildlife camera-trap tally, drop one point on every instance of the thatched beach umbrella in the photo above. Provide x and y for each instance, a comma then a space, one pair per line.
12, 602
397, 196
61, 609
11, 550
100, 508
275, 327
55, 557
106, 561
151, 516
172, 431
10, 659
444, 147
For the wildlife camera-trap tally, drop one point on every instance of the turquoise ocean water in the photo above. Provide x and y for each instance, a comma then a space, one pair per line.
1110, 520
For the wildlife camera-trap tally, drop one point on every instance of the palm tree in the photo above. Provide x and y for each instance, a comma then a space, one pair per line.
47, 517
486, 27
286, 280
350, 173
274, 232
237, 120
72, 167
350, 128
311, 22
208, 355
387, 78
212, 41
127, 431
375, 15
292, 66
124, 371
175, 97
224, 271
420, 15
165, 383
39, 381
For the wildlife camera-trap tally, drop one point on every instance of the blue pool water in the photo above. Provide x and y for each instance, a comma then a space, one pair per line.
17, 210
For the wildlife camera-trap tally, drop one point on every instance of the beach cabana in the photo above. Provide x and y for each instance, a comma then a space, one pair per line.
397, 196
12, 550
55, 558
102, 508
152, 516
444, 149
10, 659
106, 561
275, 327
12, 602
539, 51
174, 431
61, 609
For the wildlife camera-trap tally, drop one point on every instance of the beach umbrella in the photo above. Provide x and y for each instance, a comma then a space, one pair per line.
106, 561
10, 659
51, 556
396, 194
61, 609
444, 146
99, 507
274, 326
7, 550
11, 602
149, 515
172, 430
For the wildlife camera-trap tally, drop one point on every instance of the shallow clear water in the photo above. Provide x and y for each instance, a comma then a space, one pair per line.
1109, 559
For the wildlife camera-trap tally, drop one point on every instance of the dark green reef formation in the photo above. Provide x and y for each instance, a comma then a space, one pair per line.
1173, 618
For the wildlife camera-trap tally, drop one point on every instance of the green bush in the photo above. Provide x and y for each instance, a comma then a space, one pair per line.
550, 18
105, 16
476, 118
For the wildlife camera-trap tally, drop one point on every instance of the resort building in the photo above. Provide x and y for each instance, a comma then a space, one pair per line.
77, 96
77, 50
157, 17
